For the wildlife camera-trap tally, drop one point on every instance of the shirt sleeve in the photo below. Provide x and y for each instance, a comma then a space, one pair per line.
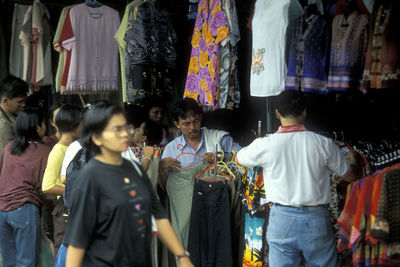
229, 145
6, 134
252, 154
82, 221
169, 151
51, 175
336, 161
67, 37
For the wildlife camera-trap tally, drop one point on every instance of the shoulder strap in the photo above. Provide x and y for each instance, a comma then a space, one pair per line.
136, 167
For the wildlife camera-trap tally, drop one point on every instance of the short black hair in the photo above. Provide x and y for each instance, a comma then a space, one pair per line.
95, 121
26, 129
68, 118
135, 115
153, 132
184, 107
291, 103
12, 87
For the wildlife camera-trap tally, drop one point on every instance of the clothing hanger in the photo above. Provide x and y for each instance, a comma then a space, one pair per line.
93, 3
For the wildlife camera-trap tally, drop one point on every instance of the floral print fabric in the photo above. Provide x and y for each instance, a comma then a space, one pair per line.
202, 83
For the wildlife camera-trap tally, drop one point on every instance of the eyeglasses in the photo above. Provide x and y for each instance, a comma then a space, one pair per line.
118, 130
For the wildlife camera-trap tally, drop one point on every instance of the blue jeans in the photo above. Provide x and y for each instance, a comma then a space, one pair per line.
20, 236
306, 232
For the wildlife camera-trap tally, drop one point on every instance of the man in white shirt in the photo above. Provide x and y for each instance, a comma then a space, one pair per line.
296, 164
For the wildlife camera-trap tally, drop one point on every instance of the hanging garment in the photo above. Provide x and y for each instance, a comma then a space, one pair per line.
387, 223
150, 55
119, 36
25, 36
94, 51
3, 64
229, 58
210, 31
209, 242
268, 67
253, 255
309, 55
382, 61
41, 38
180, 192
256, 221
16, 60
57, 46
348, 48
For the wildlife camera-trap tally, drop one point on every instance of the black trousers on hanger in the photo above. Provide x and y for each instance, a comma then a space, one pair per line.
210, 226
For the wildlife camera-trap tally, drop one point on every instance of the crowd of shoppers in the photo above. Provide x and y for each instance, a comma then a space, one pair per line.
113, 208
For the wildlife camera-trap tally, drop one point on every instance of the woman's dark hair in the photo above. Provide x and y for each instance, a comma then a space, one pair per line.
153, 132
52, 109
68, 118
291, 103
184, 107
135, 115
26, 129
95, 121
152, 102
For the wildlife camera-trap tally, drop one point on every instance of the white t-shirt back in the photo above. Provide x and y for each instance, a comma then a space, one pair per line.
296, 166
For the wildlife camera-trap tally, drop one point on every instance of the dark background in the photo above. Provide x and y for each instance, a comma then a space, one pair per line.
374, 116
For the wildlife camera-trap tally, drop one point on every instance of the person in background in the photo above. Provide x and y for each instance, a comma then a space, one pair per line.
118, 231
154, 108
54, 138
68, 122
13, 94
22, 167
139, 149
296, 164
187, 117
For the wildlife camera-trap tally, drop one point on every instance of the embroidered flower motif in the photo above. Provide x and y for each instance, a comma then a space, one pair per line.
138, 207
133, 193
216, 8
209, 38
203, 59
203, 85
192, 83
222, 33
194, 65
258, 66
196, 38
192, 95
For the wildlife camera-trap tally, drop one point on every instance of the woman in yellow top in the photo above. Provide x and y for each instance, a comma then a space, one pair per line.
68, 122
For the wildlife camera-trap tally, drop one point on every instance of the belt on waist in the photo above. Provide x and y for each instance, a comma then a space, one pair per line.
308, 207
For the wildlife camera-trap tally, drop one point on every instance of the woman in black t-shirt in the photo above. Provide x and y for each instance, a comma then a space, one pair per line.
112, 201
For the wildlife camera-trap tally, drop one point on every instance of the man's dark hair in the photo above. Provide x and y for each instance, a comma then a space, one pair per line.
12, 87
153, 132
291, 103
95, 121
68, 118
26, 129
184, 107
